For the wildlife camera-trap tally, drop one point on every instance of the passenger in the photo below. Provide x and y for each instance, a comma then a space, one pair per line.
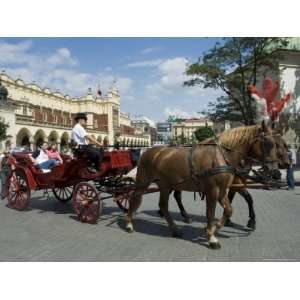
7, 165
82, 142
41, 159
53, 153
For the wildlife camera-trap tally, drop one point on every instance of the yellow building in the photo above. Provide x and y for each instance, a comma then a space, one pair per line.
186, 128
41, 114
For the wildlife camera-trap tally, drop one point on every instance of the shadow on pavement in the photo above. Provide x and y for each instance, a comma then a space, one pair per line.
44, 205
177, 216
189, 233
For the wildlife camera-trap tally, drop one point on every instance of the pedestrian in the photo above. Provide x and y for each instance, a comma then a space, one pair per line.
290, 169
7, 165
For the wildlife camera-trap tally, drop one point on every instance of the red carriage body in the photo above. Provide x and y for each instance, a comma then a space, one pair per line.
70, 181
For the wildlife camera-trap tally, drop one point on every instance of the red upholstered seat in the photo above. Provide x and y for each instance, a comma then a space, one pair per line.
120, 159
24, 159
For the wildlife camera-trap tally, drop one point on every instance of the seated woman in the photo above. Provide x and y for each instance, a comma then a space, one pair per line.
41, 159
53, 153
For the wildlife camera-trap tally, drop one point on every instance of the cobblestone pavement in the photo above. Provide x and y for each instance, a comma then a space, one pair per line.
49, 231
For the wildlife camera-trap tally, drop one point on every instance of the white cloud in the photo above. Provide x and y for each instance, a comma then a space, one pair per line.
151, 50
108, 69
171, 76
145, 63
174, 65
15, 53
177, 112
123, 83
60, 57
56, 71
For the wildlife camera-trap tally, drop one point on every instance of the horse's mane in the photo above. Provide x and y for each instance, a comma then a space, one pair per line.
236, 136
239, 136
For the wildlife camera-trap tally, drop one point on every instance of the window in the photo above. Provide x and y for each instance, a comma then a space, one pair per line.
115, 117
25, 110
95, 124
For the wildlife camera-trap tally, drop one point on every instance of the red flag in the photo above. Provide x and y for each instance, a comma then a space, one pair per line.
99, 93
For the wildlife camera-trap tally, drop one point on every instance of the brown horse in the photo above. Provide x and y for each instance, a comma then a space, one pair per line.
207, 168
282, 157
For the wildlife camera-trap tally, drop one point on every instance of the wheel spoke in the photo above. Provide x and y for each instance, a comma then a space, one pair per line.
18, 192
87, 211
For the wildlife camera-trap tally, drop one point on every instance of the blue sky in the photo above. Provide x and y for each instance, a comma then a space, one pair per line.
149, 71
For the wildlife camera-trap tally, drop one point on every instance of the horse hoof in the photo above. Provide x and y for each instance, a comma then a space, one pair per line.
228, 223
160, 213
177, 233
251, 224
129, 228
187, 220
215, 246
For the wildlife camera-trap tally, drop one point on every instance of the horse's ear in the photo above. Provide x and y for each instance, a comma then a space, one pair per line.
277, 131
264, 126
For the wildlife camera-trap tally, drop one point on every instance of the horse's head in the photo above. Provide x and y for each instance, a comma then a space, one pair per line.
263, 146
281, 150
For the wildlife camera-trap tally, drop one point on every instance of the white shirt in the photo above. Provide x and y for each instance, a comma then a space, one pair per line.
42, 157
294, 156
79, 134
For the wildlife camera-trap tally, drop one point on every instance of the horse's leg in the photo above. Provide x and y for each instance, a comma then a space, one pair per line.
225, 202
247, 196
159, 211
211, 201
231, 195
185, 215
178, 197
164, 207
135, 201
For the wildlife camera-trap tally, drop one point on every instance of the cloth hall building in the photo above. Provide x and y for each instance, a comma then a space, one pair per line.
34, 114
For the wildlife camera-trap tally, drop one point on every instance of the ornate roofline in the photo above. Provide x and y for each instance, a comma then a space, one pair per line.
40, 90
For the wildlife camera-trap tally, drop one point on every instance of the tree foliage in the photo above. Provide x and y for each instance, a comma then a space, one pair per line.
231, 66
174, 119
203, 133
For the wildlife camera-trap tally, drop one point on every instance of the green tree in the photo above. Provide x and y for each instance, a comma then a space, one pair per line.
174, 119
203, 133
231, 66
3, 131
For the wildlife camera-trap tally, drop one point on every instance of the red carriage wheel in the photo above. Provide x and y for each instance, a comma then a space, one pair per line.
123, 201
86, 203
124, 198
18, 191
63, 194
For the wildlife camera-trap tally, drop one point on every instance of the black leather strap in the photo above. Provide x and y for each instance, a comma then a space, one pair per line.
207, 172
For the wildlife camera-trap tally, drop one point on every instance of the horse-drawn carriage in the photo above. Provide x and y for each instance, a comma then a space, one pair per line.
74, 181
170, 168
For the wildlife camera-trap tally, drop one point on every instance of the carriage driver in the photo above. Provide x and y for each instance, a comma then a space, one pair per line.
82, 141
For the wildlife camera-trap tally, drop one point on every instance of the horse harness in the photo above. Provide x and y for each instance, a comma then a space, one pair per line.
208, 172
241, 172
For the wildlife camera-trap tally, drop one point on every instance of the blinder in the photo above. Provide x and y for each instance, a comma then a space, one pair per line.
266, 147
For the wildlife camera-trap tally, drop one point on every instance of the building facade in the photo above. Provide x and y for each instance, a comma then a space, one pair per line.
145, 127
41, 114
164, 131
183, 130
